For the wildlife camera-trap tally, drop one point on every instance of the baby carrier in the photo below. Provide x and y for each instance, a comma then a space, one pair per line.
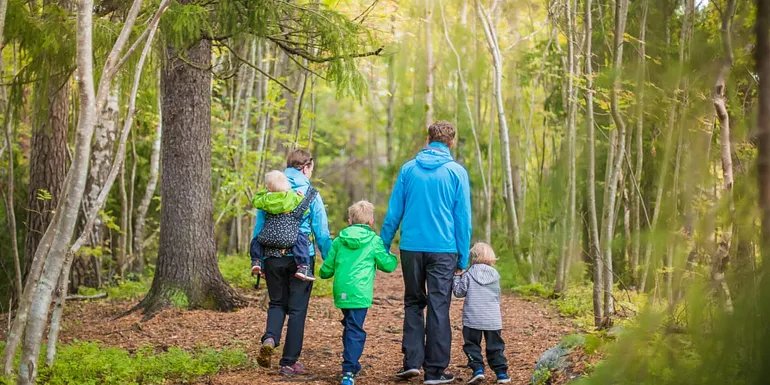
280, 231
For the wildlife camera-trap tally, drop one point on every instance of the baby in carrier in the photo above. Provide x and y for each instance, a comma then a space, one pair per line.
284, 211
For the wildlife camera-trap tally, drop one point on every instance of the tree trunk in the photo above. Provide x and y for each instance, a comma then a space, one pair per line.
720, 106
149, 193
9, 205
503, 126
392, 87
428, 63
187, 274
47, 163
637, 200
569, 198
105, 134
611, 184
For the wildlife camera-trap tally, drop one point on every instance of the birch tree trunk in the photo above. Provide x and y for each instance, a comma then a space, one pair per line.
105, 133
149, 192
9, 204
568, 225
762, 58
464, 96
611, 184
637, 200
489, 32
429, 63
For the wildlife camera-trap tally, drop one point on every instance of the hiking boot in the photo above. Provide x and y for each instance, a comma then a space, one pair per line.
304, 273
502, 378
406, 374
348, 379
292, 370
265, 352
478, 377
443, 378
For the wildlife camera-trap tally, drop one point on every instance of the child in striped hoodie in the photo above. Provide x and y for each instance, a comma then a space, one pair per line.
480, 286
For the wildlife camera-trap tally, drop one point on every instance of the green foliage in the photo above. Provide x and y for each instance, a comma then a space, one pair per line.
123, 290
93, 363
534, 290
236, 270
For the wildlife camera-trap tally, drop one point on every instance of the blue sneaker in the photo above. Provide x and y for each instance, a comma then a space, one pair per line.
502, 378
478, 377
348, 379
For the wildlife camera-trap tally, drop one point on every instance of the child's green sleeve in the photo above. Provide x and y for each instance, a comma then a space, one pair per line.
384, 260
327, 269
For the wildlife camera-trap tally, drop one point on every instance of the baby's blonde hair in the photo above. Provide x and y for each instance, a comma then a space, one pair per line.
482, 253
361, 213
276, 181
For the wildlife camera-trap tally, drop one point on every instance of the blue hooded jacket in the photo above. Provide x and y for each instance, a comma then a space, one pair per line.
431, 201
318, 219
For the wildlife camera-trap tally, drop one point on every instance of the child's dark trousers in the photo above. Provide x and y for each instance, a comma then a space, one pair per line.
495, 349
353, 339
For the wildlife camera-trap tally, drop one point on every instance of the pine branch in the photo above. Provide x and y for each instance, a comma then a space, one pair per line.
244, 61
315, 59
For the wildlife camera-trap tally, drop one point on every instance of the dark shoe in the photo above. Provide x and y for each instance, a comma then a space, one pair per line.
348, 379
478, 377
265, 352
292, 370
502, 378
406, 374
304, 273
444, 378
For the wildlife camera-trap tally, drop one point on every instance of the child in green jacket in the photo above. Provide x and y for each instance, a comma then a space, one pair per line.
354, 256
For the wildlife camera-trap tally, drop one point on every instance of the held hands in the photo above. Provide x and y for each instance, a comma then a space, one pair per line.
459, 272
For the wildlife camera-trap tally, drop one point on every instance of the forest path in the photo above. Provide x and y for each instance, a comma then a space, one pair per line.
530, 328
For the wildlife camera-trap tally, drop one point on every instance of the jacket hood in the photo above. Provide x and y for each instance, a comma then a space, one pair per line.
484, 274
356, 236
296, 178
435, 155
276, 202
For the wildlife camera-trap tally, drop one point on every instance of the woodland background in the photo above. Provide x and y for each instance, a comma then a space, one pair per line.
613, 149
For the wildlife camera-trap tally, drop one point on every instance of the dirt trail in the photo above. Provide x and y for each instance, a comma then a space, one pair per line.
529, 329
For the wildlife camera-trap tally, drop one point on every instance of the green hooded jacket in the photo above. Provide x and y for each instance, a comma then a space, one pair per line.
354, 256
276, 202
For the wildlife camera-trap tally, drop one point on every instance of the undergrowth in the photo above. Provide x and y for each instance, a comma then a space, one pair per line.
89, 363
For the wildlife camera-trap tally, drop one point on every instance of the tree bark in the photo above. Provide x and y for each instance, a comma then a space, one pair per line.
47, 163
9, 205
187, 274
105, 133
392, 88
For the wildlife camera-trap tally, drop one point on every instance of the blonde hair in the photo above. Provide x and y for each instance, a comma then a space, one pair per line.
482, 253
361, 213
276, 181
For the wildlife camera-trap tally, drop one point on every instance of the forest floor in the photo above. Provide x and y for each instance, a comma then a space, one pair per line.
530, 328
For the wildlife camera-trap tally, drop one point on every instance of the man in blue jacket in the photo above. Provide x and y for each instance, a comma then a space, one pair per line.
290, 295
431, 202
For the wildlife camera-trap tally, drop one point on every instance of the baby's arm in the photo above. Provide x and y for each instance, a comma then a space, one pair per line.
460, 287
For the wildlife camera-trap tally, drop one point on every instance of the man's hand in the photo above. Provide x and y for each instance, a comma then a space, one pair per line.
459, 272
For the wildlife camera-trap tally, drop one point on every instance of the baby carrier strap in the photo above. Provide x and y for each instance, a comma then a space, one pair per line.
310, 196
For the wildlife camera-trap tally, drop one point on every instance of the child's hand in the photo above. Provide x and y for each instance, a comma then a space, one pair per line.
459, 272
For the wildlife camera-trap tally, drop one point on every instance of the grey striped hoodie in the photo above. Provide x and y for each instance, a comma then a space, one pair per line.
480, 286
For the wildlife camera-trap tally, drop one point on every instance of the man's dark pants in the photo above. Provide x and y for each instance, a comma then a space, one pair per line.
495, 349
353, 339
288, 296
427, 283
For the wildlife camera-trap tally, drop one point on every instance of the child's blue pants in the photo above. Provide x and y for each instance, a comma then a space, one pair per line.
353, 339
